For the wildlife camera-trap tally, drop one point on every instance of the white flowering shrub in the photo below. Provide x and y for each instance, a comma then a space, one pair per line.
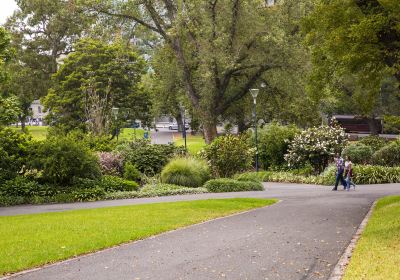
316, 146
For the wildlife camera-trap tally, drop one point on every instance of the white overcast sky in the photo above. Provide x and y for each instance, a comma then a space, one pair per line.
7, 8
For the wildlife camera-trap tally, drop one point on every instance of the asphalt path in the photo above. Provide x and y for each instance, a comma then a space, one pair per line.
302, 237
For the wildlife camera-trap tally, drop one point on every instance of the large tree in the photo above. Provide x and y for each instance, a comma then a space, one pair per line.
93, 79
43, 32
355, 48
222, 47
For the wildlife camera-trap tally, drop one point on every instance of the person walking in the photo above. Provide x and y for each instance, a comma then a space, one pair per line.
348, 174
339, 172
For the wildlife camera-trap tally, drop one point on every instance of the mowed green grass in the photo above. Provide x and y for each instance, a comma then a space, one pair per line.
128, 134
37, 132
194, 142
27, 241
377, 254
40, 133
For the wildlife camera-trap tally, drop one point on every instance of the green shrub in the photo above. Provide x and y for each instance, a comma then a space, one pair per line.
187, 172
316, 146
168, 189
358, 153
231, 185
388, 155
93, 194
375, 142
148, 158
391, 124
261, 176
60, 160
24, 187
273, 143
228, 155
14, 147
131, 173
113, 184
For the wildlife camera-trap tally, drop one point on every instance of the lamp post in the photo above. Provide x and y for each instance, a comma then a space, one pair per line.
183, 110
254, 92
115, 111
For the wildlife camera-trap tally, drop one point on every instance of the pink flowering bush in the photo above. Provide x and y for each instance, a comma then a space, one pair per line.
316, 146
111, 163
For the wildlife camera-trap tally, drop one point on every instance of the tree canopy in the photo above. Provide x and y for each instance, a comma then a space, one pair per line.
94, 78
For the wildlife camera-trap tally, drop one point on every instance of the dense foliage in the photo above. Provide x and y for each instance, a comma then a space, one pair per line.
148, 158
228, 155
375, 142
92, 80
358, 153
60, 160
273, 144
389, 155
231, 185
110, 163
316, 146
187, 172
14, 147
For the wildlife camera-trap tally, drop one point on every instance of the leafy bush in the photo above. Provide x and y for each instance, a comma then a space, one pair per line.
316, 146
358, 153
168, 189
60, 160
389, 155
113, 184
88, 194
21, 186
273, 144
228, 155
375, 142
148, 158
253, 176
14, 148
187, 172
131, 173
231, 185
110, 163
372, 174
391, 124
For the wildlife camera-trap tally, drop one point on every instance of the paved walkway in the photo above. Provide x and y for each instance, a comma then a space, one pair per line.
301, 237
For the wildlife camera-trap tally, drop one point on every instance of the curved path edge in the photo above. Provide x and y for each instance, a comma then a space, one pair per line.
340, 268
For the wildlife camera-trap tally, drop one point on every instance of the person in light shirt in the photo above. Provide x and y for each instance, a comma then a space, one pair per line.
348, 173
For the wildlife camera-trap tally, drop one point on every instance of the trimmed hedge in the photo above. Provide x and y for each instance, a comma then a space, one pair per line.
232, 185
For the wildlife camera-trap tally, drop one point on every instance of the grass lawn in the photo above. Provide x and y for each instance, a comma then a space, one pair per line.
377, 254
27, 241
194, 142
128, 134
37, 132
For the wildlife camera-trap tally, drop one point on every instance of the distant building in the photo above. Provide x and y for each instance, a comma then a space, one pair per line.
37, 113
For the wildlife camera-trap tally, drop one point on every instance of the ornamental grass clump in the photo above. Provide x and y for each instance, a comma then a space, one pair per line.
316, 146
185, 171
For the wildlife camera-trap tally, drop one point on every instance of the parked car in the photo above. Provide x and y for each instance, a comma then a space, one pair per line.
174, 126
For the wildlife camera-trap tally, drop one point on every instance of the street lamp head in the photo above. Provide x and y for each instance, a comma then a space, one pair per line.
114, 111
254, 92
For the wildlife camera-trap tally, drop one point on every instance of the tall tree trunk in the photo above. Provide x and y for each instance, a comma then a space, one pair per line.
373, 127
22, 120
241, 123
210, 130
179, 121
